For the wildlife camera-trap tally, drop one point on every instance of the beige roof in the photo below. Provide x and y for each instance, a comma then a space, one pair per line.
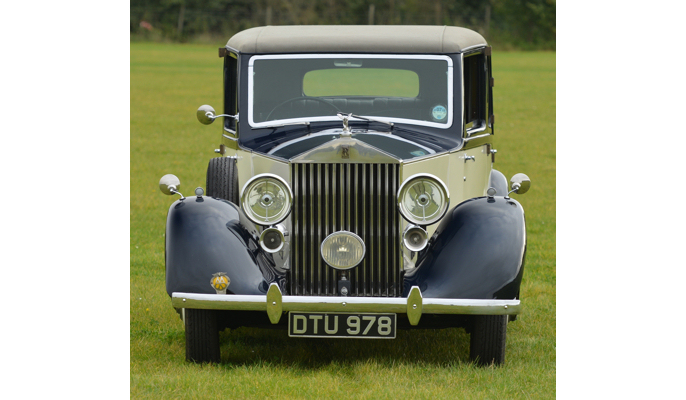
349, 38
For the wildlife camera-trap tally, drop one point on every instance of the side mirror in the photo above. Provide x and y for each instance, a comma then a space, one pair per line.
169, 184
206, 114
520, 183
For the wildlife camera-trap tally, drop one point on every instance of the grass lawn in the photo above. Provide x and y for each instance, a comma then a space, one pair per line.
168, 83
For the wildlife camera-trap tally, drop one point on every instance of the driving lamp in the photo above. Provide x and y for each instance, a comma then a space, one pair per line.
266, 199
423, 199
343, 250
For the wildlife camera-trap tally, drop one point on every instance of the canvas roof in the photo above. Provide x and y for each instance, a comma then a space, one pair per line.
355, 39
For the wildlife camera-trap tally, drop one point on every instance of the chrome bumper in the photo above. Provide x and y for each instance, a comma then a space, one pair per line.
413, 305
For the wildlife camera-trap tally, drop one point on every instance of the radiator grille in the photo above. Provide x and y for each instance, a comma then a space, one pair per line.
359, 198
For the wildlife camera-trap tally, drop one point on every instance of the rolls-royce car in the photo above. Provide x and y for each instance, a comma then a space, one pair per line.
353, 192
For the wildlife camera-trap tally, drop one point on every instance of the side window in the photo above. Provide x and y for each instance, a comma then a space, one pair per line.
230, 89
475, 93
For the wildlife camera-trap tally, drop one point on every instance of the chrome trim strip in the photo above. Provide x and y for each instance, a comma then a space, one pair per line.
462, 107
377, 229
477, 137
337, 132
297, 251
227, 47
475, 130
300, 139
391, 135
326, 221
229, 137
265, 155
450, 106
346, 304
473, 47
426, 157
363, 228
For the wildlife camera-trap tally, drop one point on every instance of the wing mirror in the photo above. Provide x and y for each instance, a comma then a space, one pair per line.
169, 185
520, 184
206, 114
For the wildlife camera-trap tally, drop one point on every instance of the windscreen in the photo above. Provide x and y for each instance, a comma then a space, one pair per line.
407, 89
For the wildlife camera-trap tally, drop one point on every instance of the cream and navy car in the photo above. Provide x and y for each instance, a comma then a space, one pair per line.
354, 193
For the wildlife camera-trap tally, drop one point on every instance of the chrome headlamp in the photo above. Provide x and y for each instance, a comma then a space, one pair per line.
423, 199
266, 199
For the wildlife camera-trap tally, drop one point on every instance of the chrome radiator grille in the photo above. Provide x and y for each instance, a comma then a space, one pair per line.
359, 198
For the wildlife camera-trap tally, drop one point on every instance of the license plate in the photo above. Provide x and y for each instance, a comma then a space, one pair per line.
341, 325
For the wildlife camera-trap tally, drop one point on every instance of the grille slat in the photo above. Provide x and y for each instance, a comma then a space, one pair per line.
356, 197
295, 248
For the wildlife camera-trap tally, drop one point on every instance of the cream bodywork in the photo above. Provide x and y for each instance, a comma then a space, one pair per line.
465, 178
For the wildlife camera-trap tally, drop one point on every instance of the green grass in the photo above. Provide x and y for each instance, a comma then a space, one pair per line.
168, 83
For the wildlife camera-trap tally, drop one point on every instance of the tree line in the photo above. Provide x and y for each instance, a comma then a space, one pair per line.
518, 24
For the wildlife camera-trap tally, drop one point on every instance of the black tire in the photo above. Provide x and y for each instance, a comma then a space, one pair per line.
222, 179
202, 336
487, 340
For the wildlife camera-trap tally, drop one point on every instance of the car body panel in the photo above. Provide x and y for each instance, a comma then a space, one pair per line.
477, 251
204, 236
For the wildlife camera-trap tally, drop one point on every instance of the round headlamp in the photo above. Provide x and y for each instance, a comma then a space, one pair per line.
266, 199
343, 250
423, 199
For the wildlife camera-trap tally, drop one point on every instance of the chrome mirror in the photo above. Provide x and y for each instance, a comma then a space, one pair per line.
169, 184
520, 184
206, 114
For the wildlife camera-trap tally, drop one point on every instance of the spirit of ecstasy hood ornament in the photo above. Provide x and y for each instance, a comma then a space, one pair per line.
346, 128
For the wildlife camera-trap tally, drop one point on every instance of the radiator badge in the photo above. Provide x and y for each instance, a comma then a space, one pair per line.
345, 151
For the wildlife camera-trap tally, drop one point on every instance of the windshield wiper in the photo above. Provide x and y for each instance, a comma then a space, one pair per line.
306, 123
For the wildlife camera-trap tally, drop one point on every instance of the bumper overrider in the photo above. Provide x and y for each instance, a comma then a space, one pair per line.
414, 305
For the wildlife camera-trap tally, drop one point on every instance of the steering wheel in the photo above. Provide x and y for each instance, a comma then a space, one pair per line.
294, 99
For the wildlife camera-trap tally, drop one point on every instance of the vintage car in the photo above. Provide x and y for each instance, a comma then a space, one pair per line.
354, 193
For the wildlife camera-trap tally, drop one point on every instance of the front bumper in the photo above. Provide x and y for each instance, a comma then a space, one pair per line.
413, 305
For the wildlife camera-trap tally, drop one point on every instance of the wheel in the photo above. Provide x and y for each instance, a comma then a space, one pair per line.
202, 336
302, 98
487, 340
222, 179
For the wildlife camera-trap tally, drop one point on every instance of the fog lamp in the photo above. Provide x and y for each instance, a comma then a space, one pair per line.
343, 250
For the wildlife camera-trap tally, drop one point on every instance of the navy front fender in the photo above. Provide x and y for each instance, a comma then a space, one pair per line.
477, 252
207, 235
